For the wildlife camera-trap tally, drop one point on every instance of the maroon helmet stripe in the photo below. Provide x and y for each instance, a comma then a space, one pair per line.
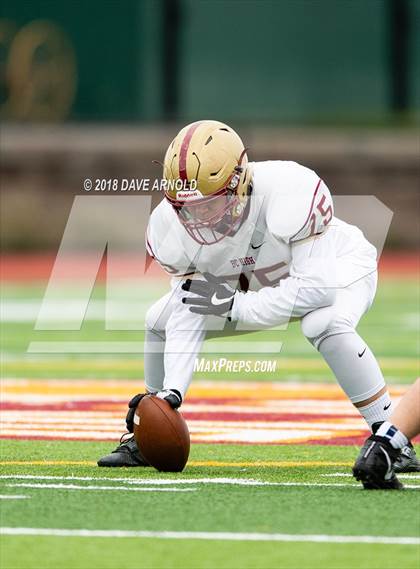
184, 148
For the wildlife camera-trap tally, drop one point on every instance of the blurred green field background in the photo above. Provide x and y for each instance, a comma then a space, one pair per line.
390, 328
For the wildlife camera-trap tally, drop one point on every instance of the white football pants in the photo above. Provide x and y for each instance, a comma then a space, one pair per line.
174, 337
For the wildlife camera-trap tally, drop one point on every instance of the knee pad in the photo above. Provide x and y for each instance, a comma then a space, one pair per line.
315, 322
322, 323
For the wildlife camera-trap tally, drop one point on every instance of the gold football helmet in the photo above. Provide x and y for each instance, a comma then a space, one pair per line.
207, 179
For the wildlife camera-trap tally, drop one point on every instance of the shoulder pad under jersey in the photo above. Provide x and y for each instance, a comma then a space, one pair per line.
299, 204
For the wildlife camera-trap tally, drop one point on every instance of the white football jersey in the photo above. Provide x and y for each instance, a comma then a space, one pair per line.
290, 257
288, 204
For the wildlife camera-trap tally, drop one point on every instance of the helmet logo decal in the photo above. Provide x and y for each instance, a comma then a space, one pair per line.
189, 194
184, 149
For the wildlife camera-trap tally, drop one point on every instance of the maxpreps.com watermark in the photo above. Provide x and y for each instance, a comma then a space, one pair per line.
137, 185
234, 366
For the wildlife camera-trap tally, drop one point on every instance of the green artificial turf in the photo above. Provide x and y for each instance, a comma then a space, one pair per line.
99, 553
304, 510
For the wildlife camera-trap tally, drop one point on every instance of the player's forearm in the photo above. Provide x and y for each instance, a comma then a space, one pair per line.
181, 350
293, 298
185, 333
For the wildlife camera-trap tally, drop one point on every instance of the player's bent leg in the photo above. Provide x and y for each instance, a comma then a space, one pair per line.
332, 331
360, 377
358, 373
351, 361
356, 370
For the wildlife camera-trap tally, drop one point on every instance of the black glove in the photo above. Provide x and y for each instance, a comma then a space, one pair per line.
132, 406
172, 396
216, 295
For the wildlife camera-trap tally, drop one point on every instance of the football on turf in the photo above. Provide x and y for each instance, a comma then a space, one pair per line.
161, 434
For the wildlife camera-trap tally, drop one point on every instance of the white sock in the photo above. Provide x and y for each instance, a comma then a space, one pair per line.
377, 411
395, 436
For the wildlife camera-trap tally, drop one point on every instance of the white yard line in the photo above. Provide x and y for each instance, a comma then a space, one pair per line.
159, 482
224, 536
348, 475
12, 497
144, 481
102, 488
164, 482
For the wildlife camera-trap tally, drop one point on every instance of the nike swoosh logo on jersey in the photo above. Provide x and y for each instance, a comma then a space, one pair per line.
361, 354
217, 301
387, 406
257, 246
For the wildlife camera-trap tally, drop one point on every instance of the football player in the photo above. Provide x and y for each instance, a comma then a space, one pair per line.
383, 451
251, 246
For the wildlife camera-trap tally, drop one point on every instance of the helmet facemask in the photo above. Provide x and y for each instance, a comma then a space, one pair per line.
211, 218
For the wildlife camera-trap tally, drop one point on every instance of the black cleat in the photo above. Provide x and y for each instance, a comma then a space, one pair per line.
126, 454
374, 465
407, 460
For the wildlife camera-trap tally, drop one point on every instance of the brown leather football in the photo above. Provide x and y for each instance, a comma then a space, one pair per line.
161, 434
